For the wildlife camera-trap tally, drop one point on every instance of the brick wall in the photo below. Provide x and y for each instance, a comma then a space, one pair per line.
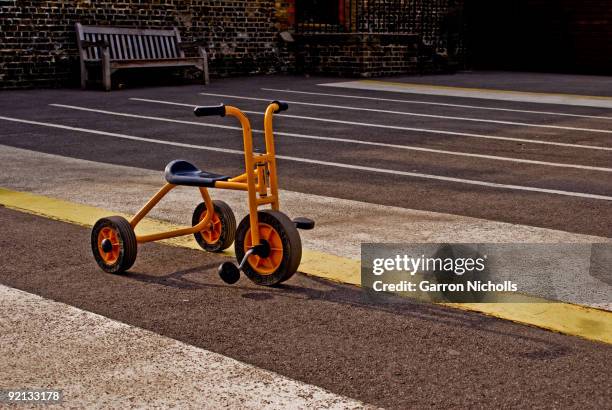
357, 55
38, 48
381, 37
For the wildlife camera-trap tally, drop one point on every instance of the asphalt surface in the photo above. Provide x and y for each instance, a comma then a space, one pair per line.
573, 214
395, 354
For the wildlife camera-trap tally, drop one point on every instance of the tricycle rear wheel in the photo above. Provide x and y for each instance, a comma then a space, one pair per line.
222, 230
113, 243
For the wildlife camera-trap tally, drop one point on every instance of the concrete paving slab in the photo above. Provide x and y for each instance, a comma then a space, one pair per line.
101, 363
596, 85
480, 93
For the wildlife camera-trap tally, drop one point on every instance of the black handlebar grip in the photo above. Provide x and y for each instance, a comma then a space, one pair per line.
210, 110
282, 106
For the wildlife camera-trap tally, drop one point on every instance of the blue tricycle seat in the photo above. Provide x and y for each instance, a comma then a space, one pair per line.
180, 172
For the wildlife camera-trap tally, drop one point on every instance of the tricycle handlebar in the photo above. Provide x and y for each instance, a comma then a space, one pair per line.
282, 106
210, 110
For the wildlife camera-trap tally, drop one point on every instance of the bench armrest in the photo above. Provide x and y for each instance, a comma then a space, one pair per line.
99, 43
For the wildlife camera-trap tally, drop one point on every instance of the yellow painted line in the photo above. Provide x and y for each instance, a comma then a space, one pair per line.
481, 90
589, 323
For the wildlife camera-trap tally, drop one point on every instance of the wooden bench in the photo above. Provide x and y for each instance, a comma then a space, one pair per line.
114, 48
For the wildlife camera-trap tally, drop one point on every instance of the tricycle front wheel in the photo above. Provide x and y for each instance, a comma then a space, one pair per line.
282, 243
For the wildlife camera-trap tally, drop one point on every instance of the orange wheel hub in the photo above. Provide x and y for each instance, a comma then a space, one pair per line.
266, 266
113, 255
213, 233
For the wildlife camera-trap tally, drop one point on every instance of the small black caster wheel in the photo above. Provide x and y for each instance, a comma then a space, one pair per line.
229, 273
113, 243
282, 244
222, 230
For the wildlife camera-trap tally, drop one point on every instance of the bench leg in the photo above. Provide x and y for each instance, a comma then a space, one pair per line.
106, 70
83, 75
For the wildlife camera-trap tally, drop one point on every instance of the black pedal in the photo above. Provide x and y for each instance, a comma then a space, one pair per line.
304, 223
229, 273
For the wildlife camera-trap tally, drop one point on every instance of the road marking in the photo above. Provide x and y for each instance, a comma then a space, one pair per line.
475, 107
414, 114
97, 355
426, 130
480, 93
325, 163
344, 140
589, 323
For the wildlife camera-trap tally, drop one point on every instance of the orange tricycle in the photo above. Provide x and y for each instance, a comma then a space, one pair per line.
268, 255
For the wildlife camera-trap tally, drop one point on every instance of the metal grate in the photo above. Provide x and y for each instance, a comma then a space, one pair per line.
362, 16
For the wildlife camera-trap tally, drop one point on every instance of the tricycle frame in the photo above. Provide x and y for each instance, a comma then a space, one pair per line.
259, 180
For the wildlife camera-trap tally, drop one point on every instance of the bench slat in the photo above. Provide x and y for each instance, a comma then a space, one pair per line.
164, 46
141, 53
152, 48
172, 46
168, 42
88, 51
92, 53
120, 48
96, 54
114, 47
133, 47
122, 30
114, 51
166, 62
152, 51
160, 47
124, 49
147, 44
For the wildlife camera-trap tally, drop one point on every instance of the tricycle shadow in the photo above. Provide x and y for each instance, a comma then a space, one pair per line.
317, 289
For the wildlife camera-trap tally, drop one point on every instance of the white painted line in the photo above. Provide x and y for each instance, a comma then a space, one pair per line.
474, 107
425, 130
486, 94
325, 163
414, 114
343, 140
123, 136
102, 363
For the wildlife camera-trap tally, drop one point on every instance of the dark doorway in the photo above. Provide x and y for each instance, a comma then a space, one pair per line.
318, 15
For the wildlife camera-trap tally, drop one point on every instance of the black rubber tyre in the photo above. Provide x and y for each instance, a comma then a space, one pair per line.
225, 227
122, 241
286, 234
